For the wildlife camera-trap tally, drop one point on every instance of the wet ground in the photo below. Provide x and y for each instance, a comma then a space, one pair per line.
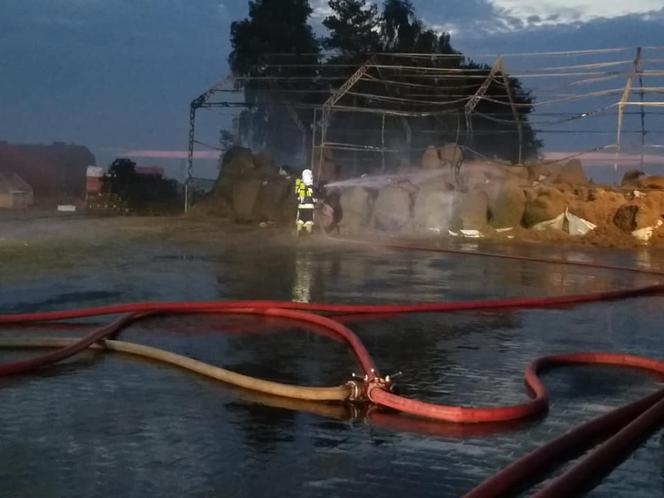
109, 425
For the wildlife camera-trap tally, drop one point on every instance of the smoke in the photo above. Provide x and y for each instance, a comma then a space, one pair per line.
429, 201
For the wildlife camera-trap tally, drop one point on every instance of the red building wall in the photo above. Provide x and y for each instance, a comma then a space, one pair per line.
56, 172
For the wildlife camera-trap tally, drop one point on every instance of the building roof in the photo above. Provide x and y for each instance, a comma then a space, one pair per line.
12, 183
53, 171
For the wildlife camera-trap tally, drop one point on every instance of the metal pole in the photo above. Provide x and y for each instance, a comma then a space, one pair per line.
314, 125
323, 139
639, 70
382, 142
515, 111
643, 122
473, 102
190, 154
621, 109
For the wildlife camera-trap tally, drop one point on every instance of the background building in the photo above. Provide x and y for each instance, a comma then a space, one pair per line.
56, 173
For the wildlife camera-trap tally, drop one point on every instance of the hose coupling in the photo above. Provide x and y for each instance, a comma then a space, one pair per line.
384, 383
357, 390
362, 386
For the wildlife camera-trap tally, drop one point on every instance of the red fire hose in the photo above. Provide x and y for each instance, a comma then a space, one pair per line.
629, 422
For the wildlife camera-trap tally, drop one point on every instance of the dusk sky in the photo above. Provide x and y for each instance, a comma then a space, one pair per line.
118, 75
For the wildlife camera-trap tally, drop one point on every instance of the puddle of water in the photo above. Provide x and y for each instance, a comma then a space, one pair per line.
108, 425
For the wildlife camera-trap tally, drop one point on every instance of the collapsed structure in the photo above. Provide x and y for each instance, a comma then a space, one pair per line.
423, 143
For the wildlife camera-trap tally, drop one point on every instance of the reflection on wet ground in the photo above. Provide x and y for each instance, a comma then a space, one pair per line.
109, 425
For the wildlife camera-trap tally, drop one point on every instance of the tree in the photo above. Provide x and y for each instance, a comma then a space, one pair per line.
401, 31
353, 27
122, 170
142, 193
274, 27
424, 96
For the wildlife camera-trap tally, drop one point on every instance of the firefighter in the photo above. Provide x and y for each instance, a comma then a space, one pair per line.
306, 202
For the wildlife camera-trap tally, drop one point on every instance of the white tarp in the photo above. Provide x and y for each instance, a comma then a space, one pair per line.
469, 234
567, 222
645, 234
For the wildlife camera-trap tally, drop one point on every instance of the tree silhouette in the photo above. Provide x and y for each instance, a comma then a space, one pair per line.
273, 26
354, 28
284, 89
402, 32
275, 31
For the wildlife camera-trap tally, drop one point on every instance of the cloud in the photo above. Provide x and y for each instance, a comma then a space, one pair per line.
321, 9
625, 31
576, 10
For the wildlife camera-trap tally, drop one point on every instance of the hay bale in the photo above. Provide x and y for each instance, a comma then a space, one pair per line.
244, 196
625, 218
269, 204
544, 172
647, 216
430, 159
572, 173
211, 206
471, 211
655, 201
433, 209
507, 208
265, 165
355, 205
392, 210
237, 163
631, 178
598, 205
450, 155
656, 182
548, 204
519, 173
632, 217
